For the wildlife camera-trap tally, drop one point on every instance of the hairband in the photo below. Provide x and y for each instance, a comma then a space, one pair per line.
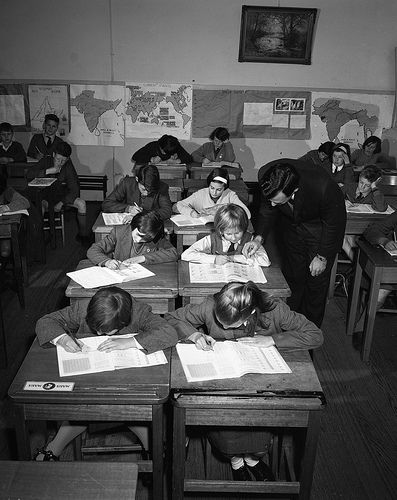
220, 179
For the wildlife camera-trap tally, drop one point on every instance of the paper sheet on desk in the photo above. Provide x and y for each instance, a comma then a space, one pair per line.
229, 360
186, 220
16, 212
42, 181
90, 360
116, 219
362, 208
93, 277
232, 271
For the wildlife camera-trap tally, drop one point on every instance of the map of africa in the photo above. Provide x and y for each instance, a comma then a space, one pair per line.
97, 115
153, 110
349, 118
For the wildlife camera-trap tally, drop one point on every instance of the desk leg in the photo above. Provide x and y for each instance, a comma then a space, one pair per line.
371, 314
179, 243
352, 309
16, 253
22, 434
3, 342
309, 455
158, 450
178, 453
171, 305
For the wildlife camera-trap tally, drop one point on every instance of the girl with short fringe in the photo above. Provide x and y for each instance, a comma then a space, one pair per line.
243, 312
226, 242
142, 242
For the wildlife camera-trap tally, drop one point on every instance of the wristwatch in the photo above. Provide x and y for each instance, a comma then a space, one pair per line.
322, 258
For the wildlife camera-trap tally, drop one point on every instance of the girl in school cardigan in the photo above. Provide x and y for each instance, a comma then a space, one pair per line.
144, 192
207, 201
227, 242
141, 242
111, 310
242, 312
218, 150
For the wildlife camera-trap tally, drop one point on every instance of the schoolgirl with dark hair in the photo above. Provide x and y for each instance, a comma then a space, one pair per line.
141, 241
241, 311
145, 191
226, 242
110, 311
218, 150
370, 153
207, 201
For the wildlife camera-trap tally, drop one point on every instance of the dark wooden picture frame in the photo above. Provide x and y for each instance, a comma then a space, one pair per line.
276, 34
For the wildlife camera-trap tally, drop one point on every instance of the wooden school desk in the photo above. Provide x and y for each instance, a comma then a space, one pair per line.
100, 229
14, 228
380, 268
198, 171
291, 401
238, 186
68, 480
127, 395
159, 291
176, 188
195, 292
356, 224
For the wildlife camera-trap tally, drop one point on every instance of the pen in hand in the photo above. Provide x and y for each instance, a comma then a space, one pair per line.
72, 336
192, 207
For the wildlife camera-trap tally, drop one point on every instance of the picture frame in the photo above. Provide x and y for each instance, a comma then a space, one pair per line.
276, 34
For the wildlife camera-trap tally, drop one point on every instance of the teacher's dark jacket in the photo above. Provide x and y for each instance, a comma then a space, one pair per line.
319, 207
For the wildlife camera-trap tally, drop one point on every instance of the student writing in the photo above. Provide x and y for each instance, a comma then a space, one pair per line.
227, 241
207, 201
166, 150
218, 150
142, 241
242, 312
143, 192
111, 310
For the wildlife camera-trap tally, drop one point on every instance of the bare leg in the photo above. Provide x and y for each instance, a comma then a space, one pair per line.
66, 433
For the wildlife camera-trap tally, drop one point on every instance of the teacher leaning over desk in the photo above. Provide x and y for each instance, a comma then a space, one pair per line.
312, 219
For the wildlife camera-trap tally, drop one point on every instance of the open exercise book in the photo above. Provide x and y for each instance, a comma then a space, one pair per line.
185, 220
362, 208
42, 181
229, 359
90, 360
232, 271
92, 277
116, 219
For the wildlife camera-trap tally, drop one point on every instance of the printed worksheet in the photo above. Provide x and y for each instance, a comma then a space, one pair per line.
116, 219
232, 271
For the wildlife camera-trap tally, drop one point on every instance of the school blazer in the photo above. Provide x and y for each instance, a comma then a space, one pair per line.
319, 207
154, 333
288, 328
127, 193
118, 245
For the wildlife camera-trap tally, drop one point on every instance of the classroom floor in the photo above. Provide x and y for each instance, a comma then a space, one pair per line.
357, 453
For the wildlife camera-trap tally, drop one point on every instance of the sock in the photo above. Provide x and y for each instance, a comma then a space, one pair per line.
250, 460
237, 462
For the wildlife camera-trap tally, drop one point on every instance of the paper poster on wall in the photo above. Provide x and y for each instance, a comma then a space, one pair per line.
155, 109
349, 117
97, 115
258, 113
14, 106
45, 99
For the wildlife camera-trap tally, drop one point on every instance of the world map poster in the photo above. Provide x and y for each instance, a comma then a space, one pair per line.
97, 115
155, 109
349, 117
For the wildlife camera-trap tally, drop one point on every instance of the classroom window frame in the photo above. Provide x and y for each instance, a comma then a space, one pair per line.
264, 39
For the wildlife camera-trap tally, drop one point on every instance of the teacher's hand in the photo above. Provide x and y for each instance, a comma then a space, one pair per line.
317, 266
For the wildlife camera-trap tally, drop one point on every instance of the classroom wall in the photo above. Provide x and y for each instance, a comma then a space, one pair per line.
192, 41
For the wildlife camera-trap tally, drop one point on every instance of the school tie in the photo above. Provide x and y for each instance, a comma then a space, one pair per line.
48, 143
231, 248
359, 197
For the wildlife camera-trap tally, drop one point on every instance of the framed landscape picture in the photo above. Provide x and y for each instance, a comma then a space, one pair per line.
276, 34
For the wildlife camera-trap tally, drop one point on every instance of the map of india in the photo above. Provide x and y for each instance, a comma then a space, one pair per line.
97, 115
335, 113
92, 108
349, 117
156, 109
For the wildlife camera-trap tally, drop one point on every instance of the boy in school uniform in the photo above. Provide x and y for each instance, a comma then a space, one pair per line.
167, 149
43, 145
10, 151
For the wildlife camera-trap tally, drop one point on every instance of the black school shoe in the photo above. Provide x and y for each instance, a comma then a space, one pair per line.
48, 456
241, 474
261, 471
